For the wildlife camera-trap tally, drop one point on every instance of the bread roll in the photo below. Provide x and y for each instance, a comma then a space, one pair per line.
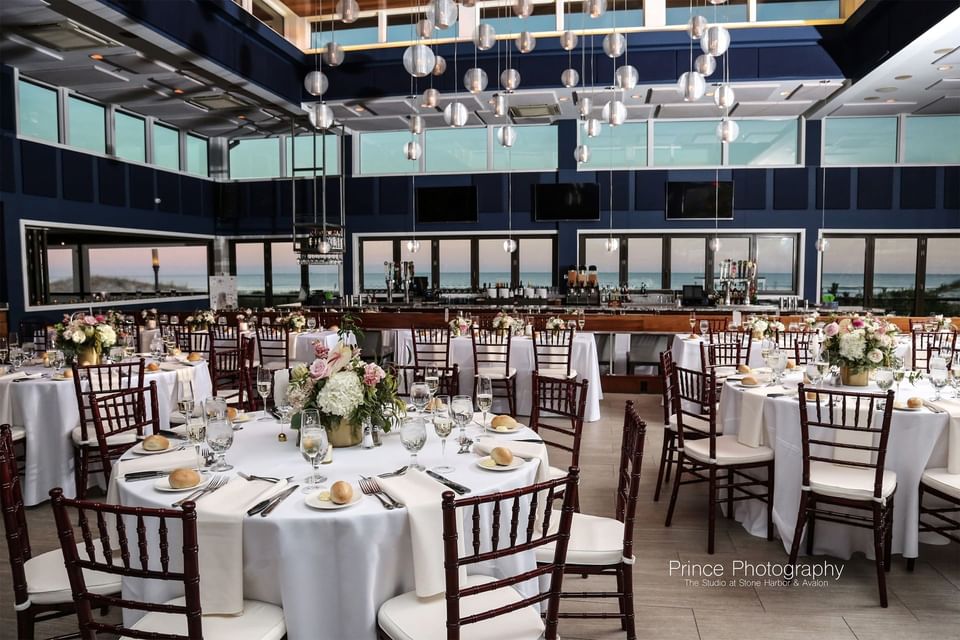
184, 478
502, 456
435, 404
791, 363
194, 357
155, 443
232, 413
811, 395
915, 402
749, 381
68, 373
503, 421
153, 366
341, 492
742, 368
175, 351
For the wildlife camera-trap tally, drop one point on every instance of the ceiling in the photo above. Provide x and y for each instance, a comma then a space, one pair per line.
305, 8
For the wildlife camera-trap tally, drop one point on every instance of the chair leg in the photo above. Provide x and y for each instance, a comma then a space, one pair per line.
676, 489
770, 486
798, 530
811, 526
629, 621
512, 395
712, 494
730, 494
665, 451
878, 531
888, 535
25, 625
911, 563
621, 605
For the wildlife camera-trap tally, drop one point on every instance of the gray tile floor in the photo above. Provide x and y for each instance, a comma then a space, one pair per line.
924, 604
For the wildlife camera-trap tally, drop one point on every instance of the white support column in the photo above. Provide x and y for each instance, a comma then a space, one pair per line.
467, 21
560, 16
381, 26
654, 13
751, 10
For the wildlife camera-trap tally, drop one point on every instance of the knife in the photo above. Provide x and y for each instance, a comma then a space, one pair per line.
144, 475
457, 488
278, 499
533, 440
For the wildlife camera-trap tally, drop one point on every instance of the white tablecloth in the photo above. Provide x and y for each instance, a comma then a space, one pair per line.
918, 440
47, 409
303, 344
686, 352
583, 360
331, 570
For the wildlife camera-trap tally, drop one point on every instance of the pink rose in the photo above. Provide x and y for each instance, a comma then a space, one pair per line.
857, 323
831, 329
320, 350
89, 320
320, 369
372, 375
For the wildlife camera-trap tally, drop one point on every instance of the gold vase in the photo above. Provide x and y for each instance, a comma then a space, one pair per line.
88, 356
345, 434
850, 379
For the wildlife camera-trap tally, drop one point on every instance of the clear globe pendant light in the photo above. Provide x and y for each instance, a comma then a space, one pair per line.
507, 136
316, 83
348, 10
475, 80
413, 245
431, 98
455, 114
691, 86
568, 40
582, 153
705, 64
570, 78
419, 60
333, 54
715, 41
485, 36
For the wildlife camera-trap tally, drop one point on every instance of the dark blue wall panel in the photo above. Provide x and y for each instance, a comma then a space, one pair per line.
918, 188
112, 180
39, 169
790, 188
141, 187
749, 190
837, 188
875, 188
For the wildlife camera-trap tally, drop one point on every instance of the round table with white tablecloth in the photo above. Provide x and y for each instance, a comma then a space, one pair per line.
583, 360
47, 410
330, 570
686, 352
918, 440
303, 349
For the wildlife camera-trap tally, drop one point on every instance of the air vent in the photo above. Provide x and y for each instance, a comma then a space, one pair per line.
534, 111
218, 102
66, 36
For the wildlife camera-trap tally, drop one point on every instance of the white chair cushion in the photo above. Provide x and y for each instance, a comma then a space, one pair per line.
47, 581
497, 373
943, 481
729, 451
557, 472
259, 621
408, 617
556, 373
228, 394
18, 433
594, 541
114, 440
689, 422
841, 481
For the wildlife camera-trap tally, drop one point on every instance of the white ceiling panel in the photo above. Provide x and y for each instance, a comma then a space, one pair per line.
942, 106
757, 109
757, 92
690, 110
814, 91
874, 109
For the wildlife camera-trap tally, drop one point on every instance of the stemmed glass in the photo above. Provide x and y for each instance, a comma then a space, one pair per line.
693, 321
29, 352
313, 445
57, 361
413, 435
197, 434
883, 376
581, 319
129, 346
462, 411
311, 323
16, 356
264, 385
215, 408
419, 395
823, 368
938, 378
814, 374
4, 350
704, 328
432, 380
156, 347
484, 396
443, 425
220, 439
285, 409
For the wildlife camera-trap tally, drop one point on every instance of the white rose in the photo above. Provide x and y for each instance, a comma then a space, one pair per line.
875, 356
760, 326
78, 337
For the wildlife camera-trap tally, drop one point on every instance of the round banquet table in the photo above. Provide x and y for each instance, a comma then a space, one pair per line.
303, 350
331, 570
583, 360
918, 440
686, 352
47, 410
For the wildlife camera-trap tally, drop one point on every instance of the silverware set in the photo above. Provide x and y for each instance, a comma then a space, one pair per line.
217, 482
251, 478
370, 487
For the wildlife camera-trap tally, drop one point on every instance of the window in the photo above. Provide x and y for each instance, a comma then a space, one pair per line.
197, 162
766, 143
859, 141
362, 31
324, 277
679, 12
39, 114
690, 143
776, 262
130, 269
842, 268
687, 261
87, 127
543, 18
422, 259
381, 153
644, 263
166, 147
942, 278
303, 155
254, 158
493, 260
620, 147
455, 150
628, 13
770, 10
250, 271
455, 264
731, 248
130, 137
284, 270
61, 271
535, 149
932, 140
608, 264
895, 273
266, 14
375, 253
536, 261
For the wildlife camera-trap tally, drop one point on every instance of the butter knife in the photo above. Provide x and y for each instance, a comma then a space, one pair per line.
459, 489
278, 499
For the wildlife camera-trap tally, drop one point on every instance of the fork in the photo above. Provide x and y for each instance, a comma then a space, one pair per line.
375, 485
215, 483
368, 490
392, 474
264, 478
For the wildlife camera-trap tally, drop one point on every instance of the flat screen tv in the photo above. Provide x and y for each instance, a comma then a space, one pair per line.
566, 201
446, 204
699, 200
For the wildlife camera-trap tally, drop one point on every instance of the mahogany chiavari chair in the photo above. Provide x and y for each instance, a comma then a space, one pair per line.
787, 340
943, 516
246, 399
715, 457
329, 319
89, 382
556, 415
801, 349
225, 362
225, 336
516, 521
927, 343
604, 546
844, 450
135, 542
121, 418
273, 345
190, 341
491, 358
407, 374
721, 354
717, 324
431, 346
668, 452
552, 352
538, 322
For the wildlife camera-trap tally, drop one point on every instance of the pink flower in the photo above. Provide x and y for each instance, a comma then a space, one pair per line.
339, 357
372, 375
320, 369
857, 323
320, 350
89, 320
831, 329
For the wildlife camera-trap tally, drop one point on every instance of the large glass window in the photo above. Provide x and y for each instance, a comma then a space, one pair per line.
689, 143
859, 141
382, 153
130, 137
38, 112
536, 262
284, 270
535, 149
455, 264
776, 261
303, 155
87, 127
255, 158
687, 261
895, 273
493, 260
771, 10
422, 259
731, 248
324, 277
60, 269
621, 147
932, 140
842, 268
455, 150
166, 147
250, 268
608, 264
375, 253
942, 284
679, 11
197, 162
645, 263
766, 143
130, 269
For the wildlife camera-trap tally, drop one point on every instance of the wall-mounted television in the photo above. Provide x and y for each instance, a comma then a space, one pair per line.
566, 201
446, 204
699, 200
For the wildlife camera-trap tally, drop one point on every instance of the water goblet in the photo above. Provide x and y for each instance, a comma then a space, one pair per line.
413, 435
883, 377
704, 328
443, 426
692, 321
16, 356
264, 385
220, 439
432, 380
57, 360
197, 435
314, 444
938, 378
311, 323
4, 350
419, 395
484, 396
581, 319
814, 374
215, 408
462, 411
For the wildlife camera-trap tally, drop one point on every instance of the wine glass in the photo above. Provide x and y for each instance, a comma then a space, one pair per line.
823, 368
57, 360
432, 380
704, 327
4, 350
156, 347
285, 409
264, 385
443, 425
484, 396
766, 346
692, 320
215, 408
220, 439
581, 319
313, 446
16, 357
938, 378
413, 435
419, 395
29, 352
116, 354
311, 323
129, 346
883, 376
462, 410
197, 434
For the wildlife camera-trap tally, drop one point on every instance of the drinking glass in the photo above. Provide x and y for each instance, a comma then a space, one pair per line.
413, 435
766, 346
693, 321
16, 356
285, 409
116, 354
779, 365
443, 425
938, 378
311, 323
156, 347
29, 352
57, 360
462, 410
432, 379
220, 439
129, 346
484, 396
197, 434
419, 395
823, 368
581, 319
313, 446
814, 374
883, 376
15, 339
215, 408
4, 350
264, 385
704, 327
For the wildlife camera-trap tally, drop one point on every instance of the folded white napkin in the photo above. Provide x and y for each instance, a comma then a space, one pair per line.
421, 495
525, 450
185, 384
220, 534
952, 407
159, 462
751, 431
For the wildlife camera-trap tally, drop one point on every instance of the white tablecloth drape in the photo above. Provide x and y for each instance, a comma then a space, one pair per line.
47, 409
303, 350
583, 360
686, 352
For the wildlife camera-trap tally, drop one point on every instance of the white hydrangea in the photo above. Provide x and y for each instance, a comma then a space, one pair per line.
852, 346
108, 337
341, 395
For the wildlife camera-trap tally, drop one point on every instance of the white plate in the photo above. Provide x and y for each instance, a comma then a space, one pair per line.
140, 451
487, 463
163, 484
313, 500
752, 386
904, 407
60, 378
241, 417
725, 372
518, 427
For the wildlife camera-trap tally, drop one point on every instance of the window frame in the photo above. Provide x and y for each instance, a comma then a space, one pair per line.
268, 241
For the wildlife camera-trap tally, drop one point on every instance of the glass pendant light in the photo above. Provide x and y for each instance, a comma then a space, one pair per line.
419, 60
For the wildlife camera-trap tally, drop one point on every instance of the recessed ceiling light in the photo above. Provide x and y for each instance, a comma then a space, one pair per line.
359, 107
178, 91
784, 93
890, 101
886, 89
945, 67
907, 77
940, 52
96, 56
635, 96
564, 98
710, 94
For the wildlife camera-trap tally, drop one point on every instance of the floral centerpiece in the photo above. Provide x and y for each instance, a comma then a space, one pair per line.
764, 327
460, 326
149, 317
811, 319
294, 322
201, 320
857, 345
83, 338
555, 323
346, 391
504, 322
